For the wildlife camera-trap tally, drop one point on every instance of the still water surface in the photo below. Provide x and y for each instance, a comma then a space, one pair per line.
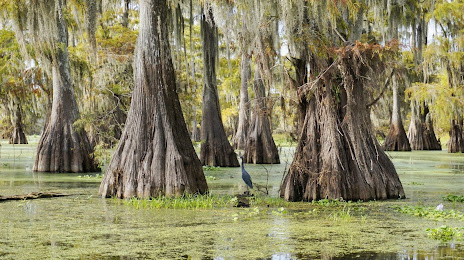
83, 226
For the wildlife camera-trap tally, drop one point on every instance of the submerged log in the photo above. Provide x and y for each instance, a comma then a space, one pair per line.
33, 195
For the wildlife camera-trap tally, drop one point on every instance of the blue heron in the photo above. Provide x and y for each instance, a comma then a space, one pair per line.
245, 176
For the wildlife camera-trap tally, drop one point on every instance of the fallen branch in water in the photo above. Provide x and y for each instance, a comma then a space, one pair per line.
33, 195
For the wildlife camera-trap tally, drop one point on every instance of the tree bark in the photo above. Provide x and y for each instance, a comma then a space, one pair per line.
17, 136
456, 141
62, 148
240, 138
396, 139
420, 133
260, 147
215, 148
155, 155
337, 155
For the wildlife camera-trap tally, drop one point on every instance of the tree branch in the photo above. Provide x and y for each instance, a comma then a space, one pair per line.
387, 82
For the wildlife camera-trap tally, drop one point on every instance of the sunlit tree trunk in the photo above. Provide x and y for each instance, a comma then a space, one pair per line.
62, 147
215, 148
155, 155
260, 147
240, 138
396, 139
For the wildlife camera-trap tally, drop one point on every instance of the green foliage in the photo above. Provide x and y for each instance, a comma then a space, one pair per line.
445, 233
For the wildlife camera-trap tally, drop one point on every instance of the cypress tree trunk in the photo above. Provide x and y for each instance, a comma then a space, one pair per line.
337, 155
155, 155
260, 147
421, 134
62, 148
215, 148
18, 136
396, 139
456, 141
240, 138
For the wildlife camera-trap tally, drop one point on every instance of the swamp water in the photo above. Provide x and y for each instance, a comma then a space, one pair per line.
83, 226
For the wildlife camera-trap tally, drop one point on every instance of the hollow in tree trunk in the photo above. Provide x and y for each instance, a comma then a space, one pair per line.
337, 155
62, 147
421, 134
396, 139
240, 138
456, 141
215, 148
155, 155
17, 136
260, 147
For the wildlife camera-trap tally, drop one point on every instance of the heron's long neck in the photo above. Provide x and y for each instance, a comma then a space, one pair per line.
242, 164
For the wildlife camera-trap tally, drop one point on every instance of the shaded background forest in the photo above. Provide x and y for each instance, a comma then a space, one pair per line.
423, 89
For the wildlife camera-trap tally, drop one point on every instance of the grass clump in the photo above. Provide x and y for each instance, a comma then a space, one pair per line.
446, 233
183, 202
208, 201
341, 216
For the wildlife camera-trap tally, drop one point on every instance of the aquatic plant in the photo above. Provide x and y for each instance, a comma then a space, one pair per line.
327, 202
211, 168
342, 216
446, 233
454, 198
415, 183
210, 178
430, 212
279, 211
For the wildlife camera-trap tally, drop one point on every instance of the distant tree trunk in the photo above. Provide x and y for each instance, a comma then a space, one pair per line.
240, 138
215, 148
260, 147
195, 130
337, 155
125, 14
17, 136
421, 134
396, 139
62, 148
456, 141
155, 155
